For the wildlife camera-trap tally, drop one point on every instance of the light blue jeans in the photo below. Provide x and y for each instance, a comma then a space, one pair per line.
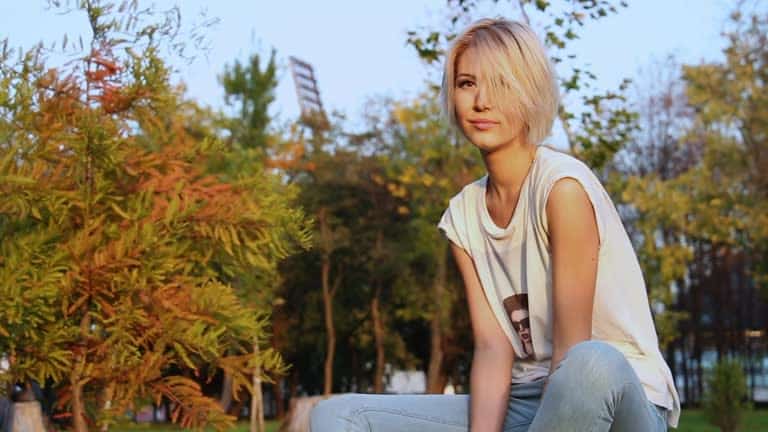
594, 388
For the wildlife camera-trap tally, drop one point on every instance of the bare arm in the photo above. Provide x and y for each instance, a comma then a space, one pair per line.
574, 241
493, 355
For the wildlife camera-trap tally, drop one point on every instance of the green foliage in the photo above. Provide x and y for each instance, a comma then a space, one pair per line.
726, 397
118, 245
251, 90
376, 196
430, 164
604, 122
731, 103
663, 257
357, 239
561, 23
709, 193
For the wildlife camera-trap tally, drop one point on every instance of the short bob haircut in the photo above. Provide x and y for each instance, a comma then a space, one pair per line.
516, 73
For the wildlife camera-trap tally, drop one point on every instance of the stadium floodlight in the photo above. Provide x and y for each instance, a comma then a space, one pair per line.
311, 105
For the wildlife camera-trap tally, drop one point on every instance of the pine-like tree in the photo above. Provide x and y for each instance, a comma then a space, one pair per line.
110, 226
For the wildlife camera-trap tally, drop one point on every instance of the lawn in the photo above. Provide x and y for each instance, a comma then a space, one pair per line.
691, 421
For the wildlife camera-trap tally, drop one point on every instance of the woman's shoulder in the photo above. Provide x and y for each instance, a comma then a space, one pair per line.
557, 165
554, 164
460, 216
469, 191
551, 158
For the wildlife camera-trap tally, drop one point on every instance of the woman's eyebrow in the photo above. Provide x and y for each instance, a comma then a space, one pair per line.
465, 74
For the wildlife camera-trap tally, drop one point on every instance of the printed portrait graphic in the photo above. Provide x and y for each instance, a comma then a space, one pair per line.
517, 310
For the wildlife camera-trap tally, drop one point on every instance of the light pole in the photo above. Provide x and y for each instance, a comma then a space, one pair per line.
312, 113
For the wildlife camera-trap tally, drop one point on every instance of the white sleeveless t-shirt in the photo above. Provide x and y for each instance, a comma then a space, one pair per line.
514, 268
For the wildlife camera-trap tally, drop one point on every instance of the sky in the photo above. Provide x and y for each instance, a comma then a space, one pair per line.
358, 49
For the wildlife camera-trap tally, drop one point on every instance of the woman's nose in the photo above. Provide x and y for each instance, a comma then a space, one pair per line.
481, 99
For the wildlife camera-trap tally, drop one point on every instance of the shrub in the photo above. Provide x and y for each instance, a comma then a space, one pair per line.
726, 398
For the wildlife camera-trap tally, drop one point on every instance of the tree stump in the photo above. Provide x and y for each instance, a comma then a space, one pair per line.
297, 419
27, 417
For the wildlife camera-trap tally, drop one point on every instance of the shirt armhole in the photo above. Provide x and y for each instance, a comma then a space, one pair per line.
450, 229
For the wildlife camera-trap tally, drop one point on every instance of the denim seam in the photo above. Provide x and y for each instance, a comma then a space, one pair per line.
403, 414
655, 410
658, 413
352, 421
621, 392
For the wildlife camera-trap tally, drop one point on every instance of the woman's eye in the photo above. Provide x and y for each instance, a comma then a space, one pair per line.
464, 83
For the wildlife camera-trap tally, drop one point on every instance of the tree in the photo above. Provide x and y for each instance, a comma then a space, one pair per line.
429, 163
731, 99
345, 182
657, 153
700, 207
109, 228
331, 196
604, 122
251, 90
726, 391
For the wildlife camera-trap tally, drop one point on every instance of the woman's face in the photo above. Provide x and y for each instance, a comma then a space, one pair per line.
521, 322
486, 126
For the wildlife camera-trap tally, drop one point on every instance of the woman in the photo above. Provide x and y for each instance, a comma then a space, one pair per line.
564, 338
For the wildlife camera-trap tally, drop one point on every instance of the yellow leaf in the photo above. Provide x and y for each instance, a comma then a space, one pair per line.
117, 210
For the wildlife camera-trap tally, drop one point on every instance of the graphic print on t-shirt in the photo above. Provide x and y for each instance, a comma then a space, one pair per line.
517, 310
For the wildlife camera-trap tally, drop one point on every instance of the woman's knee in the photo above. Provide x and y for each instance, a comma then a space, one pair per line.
597, 363
593, 352
330, 411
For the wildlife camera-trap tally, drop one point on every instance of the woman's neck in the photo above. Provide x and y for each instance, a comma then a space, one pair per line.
507, 168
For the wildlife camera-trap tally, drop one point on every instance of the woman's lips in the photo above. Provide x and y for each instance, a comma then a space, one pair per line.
483, 124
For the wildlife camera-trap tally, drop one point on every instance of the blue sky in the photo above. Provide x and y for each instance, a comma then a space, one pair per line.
358, 48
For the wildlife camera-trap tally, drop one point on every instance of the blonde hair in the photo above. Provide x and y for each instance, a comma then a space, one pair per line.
516, 71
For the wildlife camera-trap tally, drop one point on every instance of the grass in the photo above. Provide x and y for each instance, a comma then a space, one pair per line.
692, 420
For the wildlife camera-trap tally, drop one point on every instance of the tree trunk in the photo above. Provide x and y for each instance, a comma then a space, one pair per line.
76, 379
436, 385
716, 283
279, 398
356, 372
27, 417
330, 346
685, 339
326, 240
378, 335
257, 401
106, 403
226, 392
684, 366
698, 339
278, 342
236, 407
293, 388
78, 407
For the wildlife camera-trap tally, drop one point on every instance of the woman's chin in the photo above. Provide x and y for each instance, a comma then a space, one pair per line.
486, 146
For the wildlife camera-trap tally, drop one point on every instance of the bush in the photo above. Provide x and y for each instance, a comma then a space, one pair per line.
726, 398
